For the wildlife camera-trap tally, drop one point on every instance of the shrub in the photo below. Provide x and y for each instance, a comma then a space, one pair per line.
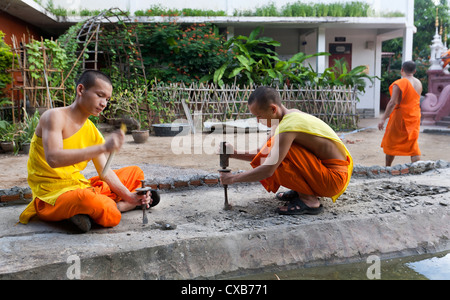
173, 53
6, 59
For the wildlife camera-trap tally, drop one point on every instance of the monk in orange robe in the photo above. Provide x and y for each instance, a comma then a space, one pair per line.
64, 142
446, 58
403, 111
303, 154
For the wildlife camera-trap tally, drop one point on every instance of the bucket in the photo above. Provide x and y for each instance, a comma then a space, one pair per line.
171, 129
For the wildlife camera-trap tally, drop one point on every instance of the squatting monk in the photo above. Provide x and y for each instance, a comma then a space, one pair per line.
403, 110
64, 142
302, 154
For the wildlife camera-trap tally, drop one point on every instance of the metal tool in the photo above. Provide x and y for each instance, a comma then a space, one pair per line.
155, 199
123, 127
224, 163
142, 191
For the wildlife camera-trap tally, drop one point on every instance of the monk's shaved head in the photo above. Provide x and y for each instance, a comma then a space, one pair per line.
409, 67
264, 96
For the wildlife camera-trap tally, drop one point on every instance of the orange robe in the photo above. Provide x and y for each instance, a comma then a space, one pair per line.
98, 202
301, 170
61, 193
402, 130
304, 173
446, 58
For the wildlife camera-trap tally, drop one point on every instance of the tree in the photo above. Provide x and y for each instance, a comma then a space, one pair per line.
425, 21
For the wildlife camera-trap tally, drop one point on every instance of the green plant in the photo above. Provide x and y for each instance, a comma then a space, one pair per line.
70, 44
126, 103
252, 60
7, 131
26, 129
40, 66
175, 53
255, 62
6, 60
300, 9
341, 75
157, 10
56, 57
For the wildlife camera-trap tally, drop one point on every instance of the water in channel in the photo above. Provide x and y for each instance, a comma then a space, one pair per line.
422, 267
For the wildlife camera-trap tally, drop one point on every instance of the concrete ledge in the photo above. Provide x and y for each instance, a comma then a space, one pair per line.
209, 242
416, 168
324, 243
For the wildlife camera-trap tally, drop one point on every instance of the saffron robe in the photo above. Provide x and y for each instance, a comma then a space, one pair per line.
301, 170
49, 184
402, 131
446, 58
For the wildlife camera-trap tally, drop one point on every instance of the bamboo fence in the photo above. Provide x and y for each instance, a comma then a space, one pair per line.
334, 105
38, 93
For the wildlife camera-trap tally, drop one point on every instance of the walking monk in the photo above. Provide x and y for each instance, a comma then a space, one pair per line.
303, 154
403, 111
64, 142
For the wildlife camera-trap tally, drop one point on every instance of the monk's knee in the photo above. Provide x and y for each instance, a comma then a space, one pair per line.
100, 208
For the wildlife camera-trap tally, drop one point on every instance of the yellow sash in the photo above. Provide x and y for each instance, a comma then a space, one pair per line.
302, 122
49, 183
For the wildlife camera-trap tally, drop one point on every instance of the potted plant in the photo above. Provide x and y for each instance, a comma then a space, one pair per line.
125, 107
7, 132
141, 134
26, 132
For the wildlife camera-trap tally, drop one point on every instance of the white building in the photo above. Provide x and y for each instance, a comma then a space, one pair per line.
359, 40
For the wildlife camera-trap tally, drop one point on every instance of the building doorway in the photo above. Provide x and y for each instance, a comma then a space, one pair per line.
340, 51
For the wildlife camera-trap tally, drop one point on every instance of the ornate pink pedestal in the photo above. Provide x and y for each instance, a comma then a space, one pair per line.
437, 102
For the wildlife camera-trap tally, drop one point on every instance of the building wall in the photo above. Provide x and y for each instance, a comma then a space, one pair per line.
12, 26
300, 40
362, 54
307, 40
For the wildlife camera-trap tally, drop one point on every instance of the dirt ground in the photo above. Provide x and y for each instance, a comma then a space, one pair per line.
198, 152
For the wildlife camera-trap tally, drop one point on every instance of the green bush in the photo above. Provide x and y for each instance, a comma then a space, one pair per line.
6, 59
300, 9
175, 53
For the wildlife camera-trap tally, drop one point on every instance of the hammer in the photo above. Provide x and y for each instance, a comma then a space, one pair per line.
224, 162
155, 199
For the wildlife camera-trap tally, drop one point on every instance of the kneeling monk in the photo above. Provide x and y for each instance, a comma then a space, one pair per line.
64, 142
303, 154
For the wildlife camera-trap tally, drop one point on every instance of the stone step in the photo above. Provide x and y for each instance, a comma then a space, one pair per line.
444, 122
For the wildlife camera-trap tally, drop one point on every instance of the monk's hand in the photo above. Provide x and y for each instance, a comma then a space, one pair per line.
226, 178
381, 124
144, 199
115, 141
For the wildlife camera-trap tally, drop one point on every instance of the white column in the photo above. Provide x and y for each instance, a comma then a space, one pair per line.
408, 44
321, 47
377, 87
409, 31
